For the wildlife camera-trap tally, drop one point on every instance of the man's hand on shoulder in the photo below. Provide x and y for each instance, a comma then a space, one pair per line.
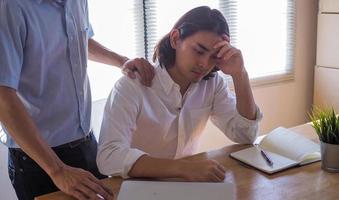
139, 68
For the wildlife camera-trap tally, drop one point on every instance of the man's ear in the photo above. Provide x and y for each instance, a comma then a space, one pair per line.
174, 38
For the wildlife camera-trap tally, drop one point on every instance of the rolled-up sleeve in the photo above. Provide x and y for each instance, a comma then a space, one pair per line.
12, 42
90, 31
115, 155
226, 117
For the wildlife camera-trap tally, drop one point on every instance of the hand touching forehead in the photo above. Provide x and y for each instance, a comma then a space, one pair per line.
207, 41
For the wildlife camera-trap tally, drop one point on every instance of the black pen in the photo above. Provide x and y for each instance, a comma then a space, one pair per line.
265, 156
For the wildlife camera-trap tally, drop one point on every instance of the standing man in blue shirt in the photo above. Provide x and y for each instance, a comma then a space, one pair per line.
45, 99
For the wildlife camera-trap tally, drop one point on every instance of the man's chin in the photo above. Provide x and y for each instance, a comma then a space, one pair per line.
196, 80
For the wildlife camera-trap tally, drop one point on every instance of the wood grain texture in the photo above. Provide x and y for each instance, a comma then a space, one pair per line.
305, 182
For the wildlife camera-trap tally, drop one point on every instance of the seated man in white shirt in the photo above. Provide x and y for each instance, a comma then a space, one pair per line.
147, 130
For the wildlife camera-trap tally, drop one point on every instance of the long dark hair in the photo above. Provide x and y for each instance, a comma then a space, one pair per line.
201, 18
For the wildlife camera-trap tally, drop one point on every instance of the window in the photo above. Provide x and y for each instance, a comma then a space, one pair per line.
262, 29
114, 26
163, 16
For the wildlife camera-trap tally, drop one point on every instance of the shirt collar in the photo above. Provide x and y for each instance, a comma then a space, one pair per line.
166, 81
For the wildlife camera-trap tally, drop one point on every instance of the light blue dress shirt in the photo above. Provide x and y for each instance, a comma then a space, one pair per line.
43, 56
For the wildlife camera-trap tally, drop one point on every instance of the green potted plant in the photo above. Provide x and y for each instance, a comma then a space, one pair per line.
326, 124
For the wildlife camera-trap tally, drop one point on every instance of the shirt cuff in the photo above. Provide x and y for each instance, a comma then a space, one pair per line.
132, 156
90, 31
244, 122
9, 83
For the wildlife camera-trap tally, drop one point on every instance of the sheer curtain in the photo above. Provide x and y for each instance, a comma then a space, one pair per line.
264, 30
163, 16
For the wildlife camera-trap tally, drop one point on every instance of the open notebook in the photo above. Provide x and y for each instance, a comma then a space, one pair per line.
284, 147
163, 190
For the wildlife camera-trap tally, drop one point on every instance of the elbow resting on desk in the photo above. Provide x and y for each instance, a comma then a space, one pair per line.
243, 134
115, 160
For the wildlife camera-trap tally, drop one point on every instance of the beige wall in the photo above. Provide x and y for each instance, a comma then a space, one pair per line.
286, 103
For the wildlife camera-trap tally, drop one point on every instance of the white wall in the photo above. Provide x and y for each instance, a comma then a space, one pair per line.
286, 103
6, 189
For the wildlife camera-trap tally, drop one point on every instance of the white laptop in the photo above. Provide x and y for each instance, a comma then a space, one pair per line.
159, 190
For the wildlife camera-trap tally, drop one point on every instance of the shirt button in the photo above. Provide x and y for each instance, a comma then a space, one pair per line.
24, 157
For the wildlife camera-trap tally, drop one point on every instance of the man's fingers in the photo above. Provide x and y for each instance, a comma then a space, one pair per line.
219, 171
213, 177
221, 168
131, 74
97, 188
99, 197
224, 44
92, 188
93, 191
221, 44
139, 68
142, 74
103, 186
150, 71
78, 195
224, 50
220, 174
230, 53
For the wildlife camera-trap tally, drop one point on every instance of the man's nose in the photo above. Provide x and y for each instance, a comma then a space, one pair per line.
204, 62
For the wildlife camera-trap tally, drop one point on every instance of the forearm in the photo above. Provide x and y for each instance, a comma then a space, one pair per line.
99, 53
147, 166
199, 170
21, 127
245, 101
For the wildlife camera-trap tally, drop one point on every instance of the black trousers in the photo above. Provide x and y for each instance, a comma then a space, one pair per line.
30, 180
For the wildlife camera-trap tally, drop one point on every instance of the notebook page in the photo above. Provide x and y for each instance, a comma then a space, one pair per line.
289, 144
253, 157
316, 156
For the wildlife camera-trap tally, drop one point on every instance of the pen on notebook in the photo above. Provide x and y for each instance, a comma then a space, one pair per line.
265, 156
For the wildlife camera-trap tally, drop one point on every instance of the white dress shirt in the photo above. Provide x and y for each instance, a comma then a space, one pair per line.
162, 123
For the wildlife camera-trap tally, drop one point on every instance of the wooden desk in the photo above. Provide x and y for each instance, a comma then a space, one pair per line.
306, 182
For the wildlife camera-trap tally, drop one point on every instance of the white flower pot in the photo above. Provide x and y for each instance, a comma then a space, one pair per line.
329, 157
